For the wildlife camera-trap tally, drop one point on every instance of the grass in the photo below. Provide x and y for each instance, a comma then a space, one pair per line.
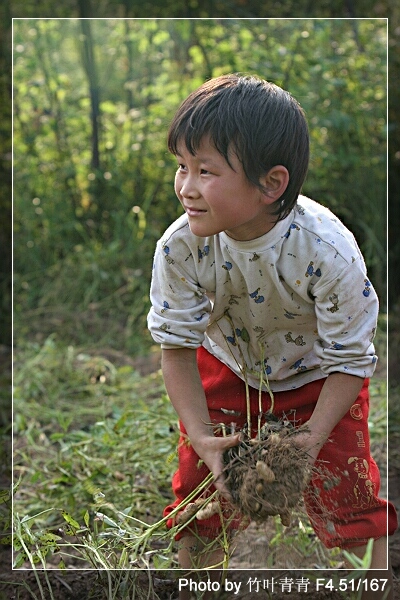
94, 452
86, 432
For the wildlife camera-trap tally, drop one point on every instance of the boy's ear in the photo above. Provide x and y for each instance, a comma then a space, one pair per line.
275, 182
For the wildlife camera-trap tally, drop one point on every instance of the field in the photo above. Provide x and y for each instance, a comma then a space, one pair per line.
95, 436
94, 451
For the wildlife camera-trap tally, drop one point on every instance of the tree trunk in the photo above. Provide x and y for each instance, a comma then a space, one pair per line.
89, 64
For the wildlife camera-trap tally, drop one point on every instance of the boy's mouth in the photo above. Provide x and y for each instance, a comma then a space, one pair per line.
194, 212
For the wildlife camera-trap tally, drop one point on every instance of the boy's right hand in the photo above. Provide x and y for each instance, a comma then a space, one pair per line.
210, 449
185, 389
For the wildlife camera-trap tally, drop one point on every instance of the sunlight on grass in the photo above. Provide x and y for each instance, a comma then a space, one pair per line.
95, 450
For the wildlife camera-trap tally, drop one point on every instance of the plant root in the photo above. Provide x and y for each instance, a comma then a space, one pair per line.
267, 475
203, 508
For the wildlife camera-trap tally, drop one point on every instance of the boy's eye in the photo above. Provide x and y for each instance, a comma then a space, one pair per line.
182, 167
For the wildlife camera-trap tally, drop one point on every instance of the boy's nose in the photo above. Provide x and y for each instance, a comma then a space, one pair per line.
188, 189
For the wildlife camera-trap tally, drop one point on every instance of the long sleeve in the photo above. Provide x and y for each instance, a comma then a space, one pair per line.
294, 305
180, 306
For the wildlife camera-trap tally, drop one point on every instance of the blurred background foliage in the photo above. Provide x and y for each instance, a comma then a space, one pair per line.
93, 180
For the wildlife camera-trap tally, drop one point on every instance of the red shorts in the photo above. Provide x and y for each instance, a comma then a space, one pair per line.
341, 500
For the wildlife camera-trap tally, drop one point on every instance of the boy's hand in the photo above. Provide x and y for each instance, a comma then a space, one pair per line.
210, 449
336, 397
310, 442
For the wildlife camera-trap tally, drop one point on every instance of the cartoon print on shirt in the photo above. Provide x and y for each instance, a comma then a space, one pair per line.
335, 303
200, 317
298, 366
256, 297
260, 331
337, 346
166, 306
367, 289
204, 252
290, 315
233, 299
240, 333
183, 267
231, 339
300, 210
265, 366
363, 488
299, 341
310, 270
169, 260
293, 226
227, 266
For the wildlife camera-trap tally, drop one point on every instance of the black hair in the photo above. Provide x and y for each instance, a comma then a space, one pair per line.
262, 123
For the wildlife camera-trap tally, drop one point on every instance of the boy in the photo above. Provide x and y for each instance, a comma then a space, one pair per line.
254, 280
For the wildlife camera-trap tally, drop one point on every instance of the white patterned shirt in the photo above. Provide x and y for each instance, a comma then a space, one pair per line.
291, 306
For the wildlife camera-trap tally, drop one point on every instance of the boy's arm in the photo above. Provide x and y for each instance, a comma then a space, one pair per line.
185, 390
337, 396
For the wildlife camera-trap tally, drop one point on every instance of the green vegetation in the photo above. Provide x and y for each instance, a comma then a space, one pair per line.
91, 428
93, 180
95, 449
93, 190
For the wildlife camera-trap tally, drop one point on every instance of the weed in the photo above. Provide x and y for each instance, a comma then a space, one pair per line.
95, 448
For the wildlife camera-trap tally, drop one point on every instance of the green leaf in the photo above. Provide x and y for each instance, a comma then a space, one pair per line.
20, 559
6, 540
107, 520
86, 518
70, 520
36, 558
5, 495
49, 539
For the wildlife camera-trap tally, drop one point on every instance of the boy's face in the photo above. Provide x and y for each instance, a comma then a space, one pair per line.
219, 198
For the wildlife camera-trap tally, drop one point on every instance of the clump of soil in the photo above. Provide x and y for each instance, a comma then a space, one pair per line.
266, 475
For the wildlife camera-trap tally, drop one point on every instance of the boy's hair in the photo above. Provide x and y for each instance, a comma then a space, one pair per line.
262, 123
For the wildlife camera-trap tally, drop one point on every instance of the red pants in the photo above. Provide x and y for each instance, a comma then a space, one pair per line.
341, 500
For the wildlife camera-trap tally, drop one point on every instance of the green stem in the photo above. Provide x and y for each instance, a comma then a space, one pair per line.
30, 558
45, 573
259, 405
264, 379
243, 369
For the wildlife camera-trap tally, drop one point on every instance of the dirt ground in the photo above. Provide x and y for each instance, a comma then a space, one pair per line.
244, 570
255, 584
163, 585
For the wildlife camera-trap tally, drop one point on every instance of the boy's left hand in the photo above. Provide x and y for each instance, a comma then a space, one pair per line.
337, 395
310, 442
